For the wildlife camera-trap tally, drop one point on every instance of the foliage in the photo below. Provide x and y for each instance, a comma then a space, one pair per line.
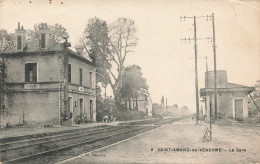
133, 84
156, 108
185, 111
3, 68
130, 115
104, 106
109, 47
95, 41
57, 33
6, 40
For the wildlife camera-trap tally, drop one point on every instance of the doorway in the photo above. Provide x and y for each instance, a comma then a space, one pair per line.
81, 108
70, 106
239, 109
91, 109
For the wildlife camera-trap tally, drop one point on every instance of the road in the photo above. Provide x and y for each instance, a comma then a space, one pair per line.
160, 146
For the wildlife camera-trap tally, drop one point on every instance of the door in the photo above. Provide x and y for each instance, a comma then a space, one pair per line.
91, 109
81, 108
75, 112
70, 105
239, 109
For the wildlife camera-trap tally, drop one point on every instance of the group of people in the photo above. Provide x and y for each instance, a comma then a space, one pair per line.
106, 118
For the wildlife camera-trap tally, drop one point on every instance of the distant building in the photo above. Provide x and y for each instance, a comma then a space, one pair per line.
232, 99
144, 104
34, 87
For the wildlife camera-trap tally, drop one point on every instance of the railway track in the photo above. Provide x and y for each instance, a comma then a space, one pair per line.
59, 147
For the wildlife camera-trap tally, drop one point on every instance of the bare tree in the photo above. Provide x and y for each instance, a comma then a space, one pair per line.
116, 43
123, 40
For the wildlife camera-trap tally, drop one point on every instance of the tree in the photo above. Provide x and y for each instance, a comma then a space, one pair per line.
122, 41
57, 33
95, 41
6, 40
109, 47
133, 84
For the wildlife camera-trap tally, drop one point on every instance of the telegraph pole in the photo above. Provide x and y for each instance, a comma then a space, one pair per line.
196, 72
207, 70
65, 75
215, 69
196, 65
206, 86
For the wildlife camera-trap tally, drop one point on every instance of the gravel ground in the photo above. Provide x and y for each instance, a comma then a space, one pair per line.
20, 131
160, 146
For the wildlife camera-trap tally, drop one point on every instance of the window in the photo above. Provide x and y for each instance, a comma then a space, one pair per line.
31, 72
80, 76
90, 79
19, 42
42, 40
69, 73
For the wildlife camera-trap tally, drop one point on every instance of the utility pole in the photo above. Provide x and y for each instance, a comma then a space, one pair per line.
196, 72
207, 70
65, 75
215, 69
196, 65
206, 102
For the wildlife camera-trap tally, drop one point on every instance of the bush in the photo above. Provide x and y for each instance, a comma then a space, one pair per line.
130, 115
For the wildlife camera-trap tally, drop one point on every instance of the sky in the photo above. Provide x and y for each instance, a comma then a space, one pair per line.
167, 62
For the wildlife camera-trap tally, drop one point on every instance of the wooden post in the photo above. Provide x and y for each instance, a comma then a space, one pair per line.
196, 72
215, 70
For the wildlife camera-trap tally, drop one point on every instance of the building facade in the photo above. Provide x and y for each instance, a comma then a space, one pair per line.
142, 103
47, 83
232, 99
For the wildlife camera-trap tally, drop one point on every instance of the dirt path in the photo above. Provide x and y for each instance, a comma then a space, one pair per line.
160, 146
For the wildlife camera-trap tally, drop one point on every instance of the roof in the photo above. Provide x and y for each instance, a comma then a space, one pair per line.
33, 47
232, 85
229, 87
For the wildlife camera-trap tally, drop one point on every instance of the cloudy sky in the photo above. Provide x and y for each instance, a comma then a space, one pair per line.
166, 61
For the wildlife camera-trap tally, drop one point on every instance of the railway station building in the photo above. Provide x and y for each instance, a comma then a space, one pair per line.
232, 99
46, 83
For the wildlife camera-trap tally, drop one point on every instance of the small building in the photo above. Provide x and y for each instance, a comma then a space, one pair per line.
47, 83
144, 104
232, 99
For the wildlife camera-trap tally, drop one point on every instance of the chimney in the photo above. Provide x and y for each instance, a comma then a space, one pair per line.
44, 36
221, 79
79, 49
20, 34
